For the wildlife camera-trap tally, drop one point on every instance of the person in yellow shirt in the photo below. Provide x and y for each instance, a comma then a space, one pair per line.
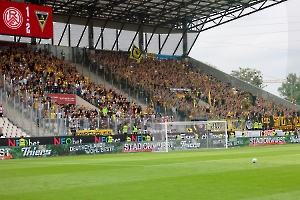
22, 142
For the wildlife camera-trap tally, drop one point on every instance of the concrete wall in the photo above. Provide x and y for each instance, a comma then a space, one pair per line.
81, 101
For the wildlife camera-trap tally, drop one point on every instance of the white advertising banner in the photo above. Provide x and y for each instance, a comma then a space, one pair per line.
259, 133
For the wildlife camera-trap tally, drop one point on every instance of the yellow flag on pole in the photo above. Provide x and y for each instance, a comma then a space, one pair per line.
135, 53
209, 98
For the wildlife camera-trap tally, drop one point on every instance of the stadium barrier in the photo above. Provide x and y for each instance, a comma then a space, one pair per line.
59, 146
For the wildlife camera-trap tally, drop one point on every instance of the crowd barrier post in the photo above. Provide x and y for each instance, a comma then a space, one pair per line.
4, 83
97, 74
89, 71
38, 121
104, 69
14, 102
22, 110
6, 104
49, 114
112, 80
31, 117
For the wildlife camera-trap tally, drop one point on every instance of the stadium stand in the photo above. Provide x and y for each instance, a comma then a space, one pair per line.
223, 101
171, 86
32, 73
8, 129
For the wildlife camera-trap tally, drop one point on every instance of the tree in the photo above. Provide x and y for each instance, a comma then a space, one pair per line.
289, 90
248, 75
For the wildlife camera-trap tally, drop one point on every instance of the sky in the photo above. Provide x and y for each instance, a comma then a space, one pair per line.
268, 40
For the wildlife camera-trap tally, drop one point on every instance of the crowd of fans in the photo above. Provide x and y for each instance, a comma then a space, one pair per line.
32, 73
158, 77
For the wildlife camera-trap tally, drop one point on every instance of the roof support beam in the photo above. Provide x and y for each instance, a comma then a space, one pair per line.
159, 41
82, 33
91, 11
91, 34
184, 36
101, 34
136, 33
262, 7
69, 35
67, 23
141, 40
156, 15
118, 36
63, 33
163, 44
147, 44
196, 37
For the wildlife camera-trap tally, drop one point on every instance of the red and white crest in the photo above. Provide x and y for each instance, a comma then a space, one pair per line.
13, 18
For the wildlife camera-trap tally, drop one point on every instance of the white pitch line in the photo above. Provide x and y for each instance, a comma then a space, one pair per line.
158, 165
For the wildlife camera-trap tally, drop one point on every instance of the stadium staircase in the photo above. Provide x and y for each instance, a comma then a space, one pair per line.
23, 120
84, 71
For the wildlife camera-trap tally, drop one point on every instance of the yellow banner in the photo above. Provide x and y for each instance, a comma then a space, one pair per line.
236, 125
151, 55
215, 126
95, 132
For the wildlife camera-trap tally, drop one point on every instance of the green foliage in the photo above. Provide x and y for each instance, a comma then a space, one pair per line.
248, 75
16, 152
290, 89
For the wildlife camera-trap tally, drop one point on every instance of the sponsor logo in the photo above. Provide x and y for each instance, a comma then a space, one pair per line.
28, 151
138, 138
267, 141
13, 18
190, 144
42, 18
92, 148
106, 139
294, 139
142, 147
65, 140
28, 142
62, 98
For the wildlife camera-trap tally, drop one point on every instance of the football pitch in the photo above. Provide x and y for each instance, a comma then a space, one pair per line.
177, 175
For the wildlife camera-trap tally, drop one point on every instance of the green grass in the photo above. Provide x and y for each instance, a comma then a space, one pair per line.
184, 175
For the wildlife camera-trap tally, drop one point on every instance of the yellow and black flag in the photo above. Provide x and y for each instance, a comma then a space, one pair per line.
209, 98
135, 53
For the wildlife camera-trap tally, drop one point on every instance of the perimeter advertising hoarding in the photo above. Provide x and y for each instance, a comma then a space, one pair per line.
123, 147
61, 140
20, 19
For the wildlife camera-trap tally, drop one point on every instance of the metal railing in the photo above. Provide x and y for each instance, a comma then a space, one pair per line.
133, 90
39, 116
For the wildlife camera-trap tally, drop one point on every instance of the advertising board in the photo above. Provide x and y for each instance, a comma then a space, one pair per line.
61, 140
129, 144
63, 98
20, 19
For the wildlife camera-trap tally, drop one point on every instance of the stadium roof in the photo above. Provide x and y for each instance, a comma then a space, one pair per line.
157, 16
